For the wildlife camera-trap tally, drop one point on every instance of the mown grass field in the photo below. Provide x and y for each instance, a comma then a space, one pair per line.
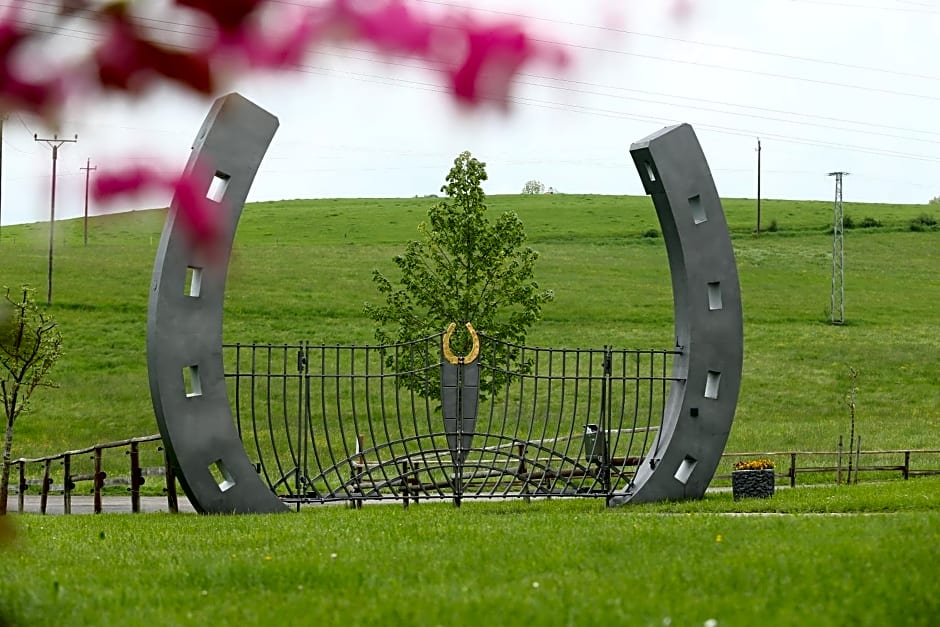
302, 271
852, 555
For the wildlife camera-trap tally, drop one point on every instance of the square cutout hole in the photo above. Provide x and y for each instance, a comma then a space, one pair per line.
193, 281
221, 475
685, 469
698, 211
711, 384
714, 296
218, 186
191, 382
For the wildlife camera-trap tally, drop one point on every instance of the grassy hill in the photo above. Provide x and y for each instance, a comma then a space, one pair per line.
302, 271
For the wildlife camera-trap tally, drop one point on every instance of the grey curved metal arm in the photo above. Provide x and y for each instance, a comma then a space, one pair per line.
708, 319
184, 325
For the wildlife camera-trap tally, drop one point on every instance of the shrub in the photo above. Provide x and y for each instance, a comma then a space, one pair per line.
772, 227
848, 222
923, 222
868, 222
651, 233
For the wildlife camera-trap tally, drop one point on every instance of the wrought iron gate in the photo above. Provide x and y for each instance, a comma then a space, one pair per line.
411, 421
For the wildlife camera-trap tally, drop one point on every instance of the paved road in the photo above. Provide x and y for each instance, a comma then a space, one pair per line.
86, 504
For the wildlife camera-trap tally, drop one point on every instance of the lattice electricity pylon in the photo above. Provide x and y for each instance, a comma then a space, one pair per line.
837, 295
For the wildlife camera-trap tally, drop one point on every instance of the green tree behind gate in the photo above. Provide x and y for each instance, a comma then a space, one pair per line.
464, 269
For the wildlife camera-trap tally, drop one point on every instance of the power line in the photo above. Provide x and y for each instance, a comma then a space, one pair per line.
624, 31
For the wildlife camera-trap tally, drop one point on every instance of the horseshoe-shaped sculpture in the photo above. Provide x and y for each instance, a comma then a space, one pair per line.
708, 320
184, 328
184, 325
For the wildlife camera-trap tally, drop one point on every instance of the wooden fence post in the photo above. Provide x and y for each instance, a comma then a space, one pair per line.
907, 464
792, 470
171, 501
46, 481
839, 464
67, 484
22, 495
136, 478
99, 479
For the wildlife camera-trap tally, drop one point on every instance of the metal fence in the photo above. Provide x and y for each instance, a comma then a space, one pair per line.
328, 423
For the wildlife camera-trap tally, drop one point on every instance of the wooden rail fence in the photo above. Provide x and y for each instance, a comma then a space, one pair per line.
845, 469
847, 465
98, 477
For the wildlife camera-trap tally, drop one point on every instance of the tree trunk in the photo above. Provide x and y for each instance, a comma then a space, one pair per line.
5, 477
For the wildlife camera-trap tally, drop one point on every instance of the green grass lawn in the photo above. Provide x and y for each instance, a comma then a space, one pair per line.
850, 555
301, 271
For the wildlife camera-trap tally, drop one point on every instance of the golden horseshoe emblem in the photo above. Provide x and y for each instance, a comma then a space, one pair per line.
449, 354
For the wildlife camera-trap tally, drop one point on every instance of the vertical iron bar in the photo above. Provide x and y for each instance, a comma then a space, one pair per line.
238, 398
269, 412
301, 476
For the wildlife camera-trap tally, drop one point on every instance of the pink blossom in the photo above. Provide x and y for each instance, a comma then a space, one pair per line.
16, 91
200, 217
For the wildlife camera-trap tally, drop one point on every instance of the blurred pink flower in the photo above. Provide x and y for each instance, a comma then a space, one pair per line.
200, 217
127, 61
16, 90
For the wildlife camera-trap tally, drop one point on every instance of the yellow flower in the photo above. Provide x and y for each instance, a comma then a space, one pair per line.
754, 464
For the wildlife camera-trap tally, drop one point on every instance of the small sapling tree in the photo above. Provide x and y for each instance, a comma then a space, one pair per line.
465, 269
30, 345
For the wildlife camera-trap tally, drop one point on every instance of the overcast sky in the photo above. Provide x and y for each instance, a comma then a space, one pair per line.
850, 85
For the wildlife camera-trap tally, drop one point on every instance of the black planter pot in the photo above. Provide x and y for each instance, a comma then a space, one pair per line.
752, 483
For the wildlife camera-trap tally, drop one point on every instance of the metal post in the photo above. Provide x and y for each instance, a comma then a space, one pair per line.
793, 470
55, 143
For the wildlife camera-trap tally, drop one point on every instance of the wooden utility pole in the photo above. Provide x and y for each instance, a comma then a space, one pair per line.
758, 185
88, 170
54, 142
